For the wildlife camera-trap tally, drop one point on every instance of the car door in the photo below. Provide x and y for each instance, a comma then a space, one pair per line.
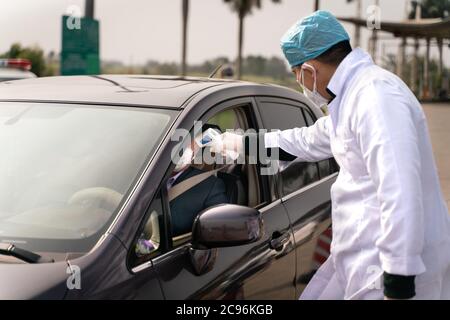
304, 191
261, 270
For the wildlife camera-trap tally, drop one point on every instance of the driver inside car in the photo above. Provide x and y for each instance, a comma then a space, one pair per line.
195, 194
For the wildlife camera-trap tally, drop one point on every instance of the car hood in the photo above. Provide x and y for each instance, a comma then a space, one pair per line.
33, 281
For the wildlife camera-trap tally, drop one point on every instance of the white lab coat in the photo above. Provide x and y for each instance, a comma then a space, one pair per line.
388, 212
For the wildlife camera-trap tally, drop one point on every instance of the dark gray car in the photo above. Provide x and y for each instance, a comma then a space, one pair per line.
83, 175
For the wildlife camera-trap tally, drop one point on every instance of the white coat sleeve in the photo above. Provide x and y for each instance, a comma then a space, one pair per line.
307, 144
387, 136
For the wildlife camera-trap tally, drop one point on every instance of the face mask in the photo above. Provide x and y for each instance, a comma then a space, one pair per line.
314, 95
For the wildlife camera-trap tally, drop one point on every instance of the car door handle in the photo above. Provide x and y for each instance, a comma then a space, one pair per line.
279, 240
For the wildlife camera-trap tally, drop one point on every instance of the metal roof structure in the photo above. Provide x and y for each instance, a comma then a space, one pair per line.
416, 29
422, 28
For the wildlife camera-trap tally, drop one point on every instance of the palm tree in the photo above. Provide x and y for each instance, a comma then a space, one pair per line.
243, 8
185, 13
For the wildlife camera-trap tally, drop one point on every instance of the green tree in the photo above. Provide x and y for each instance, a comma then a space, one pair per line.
34, 54
431, 8
276, 68
255, 65
243, 8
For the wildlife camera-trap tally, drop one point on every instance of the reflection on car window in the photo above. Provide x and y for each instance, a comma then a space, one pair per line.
149, 239
324, 165
295, 174
64, 169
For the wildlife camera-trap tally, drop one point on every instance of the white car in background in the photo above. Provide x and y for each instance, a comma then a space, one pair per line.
15, 69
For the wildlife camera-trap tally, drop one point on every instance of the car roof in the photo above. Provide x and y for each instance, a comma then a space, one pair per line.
15, 73
135, 90
173, 92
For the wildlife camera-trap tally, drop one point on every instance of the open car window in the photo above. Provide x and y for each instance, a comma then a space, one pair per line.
231, 183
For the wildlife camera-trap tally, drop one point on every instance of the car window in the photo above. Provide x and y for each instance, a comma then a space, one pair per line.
148, 242
233, 183
65, 169
282, 115
227, 119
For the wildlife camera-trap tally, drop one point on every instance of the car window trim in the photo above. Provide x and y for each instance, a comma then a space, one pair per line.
269, 206
307, 187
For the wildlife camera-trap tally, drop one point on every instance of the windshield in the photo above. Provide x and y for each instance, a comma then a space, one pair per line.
64, 169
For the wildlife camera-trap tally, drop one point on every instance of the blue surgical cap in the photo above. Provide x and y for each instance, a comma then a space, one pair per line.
311, 36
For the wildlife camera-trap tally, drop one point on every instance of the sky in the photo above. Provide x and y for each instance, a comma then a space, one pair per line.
134, 31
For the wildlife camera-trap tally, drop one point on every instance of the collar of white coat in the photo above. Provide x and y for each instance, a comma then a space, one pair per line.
347, 69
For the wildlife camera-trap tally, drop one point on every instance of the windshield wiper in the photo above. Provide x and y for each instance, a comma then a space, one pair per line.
9, 249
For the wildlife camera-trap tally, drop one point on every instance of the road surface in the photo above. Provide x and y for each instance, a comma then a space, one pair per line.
438, 118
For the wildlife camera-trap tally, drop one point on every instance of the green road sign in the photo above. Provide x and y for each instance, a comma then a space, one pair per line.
80, 46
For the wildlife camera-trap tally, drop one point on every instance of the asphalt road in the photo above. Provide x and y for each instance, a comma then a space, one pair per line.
438, 118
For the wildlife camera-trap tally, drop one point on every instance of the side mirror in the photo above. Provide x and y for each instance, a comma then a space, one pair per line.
226, 225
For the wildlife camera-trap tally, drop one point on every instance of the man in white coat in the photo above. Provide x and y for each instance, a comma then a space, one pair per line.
391, 228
